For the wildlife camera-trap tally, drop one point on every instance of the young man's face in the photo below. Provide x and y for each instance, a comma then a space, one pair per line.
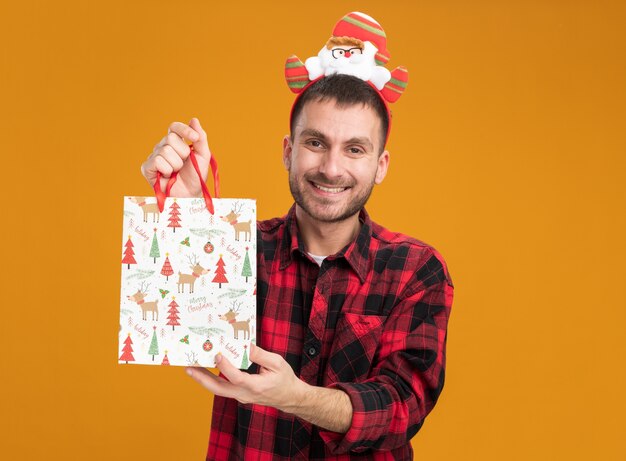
334, 159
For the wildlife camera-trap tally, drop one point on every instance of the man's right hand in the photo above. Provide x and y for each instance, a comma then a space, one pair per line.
171, 155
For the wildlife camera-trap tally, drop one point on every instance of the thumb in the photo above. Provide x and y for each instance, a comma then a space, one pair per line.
201, 145
264, 358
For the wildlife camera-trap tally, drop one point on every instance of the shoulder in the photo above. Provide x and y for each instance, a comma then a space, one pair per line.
269, 234
417, 261
268, 226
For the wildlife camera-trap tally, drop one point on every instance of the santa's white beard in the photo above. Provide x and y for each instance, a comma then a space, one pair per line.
357, 65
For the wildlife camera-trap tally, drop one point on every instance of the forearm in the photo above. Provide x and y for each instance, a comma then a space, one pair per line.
330, 409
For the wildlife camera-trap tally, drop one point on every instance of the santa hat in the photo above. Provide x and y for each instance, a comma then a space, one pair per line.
367, 29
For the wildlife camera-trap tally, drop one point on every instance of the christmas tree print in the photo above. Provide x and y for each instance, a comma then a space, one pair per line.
220, 273
174, 218
167, 267
173, 314
244, 360
127, 350
247, 270
154, 250
129, 253
165, 361
154, 345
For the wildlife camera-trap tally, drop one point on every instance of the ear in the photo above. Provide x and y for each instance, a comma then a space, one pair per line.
287, 149
381, 169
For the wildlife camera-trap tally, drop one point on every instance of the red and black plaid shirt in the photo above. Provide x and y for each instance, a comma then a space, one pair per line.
370, 321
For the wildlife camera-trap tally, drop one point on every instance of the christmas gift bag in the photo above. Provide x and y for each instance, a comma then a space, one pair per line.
188, 288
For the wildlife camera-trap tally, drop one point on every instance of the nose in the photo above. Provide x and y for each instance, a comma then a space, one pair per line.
347, 54
331, 165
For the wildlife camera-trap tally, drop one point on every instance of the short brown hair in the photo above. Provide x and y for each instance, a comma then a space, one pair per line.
345, 90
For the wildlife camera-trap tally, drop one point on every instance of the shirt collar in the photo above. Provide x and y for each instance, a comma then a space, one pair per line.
356, 253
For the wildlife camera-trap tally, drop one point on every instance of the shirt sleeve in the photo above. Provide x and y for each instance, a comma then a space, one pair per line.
408, 376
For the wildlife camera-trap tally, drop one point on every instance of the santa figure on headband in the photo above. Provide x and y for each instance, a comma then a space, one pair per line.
358, 47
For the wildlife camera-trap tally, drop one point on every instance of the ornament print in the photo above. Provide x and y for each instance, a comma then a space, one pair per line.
188, 282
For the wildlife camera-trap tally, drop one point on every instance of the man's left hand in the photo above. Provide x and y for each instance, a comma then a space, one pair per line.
275, 385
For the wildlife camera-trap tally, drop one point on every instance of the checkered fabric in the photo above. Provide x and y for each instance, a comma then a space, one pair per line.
371, 321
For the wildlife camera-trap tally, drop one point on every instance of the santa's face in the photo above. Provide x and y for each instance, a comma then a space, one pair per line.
334, 159
344, 55
349, 60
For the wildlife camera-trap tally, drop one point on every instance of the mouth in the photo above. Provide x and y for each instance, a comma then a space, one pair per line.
329, 190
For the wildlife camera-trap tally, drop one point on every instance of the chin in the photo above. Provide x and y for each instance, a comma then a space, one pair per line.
328, 216
331, 211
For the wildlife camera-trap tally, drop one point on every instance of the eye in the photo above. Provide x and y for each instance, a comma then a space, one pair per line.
355, 150
314, 143
338, 52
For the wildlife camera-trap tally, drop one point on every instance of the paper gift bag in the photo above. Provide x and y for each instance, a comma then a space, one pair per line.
188, 288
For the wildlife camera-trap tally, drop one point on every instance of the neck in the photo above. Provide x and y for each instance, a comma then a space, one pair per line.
323, 238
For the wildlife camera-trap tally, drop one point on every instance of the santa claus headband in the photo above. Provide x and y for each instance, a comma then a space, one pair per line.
357, 47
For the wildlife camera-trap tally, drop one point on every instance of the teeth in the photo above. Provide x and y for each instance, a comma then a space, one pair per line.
334, 190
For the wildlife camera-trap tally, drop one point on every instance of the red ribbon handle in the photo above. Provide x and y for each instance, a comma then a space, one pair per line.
161, 196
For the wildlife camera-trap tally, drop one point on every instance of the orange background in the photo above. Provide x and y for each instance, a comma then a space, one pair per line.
507, 155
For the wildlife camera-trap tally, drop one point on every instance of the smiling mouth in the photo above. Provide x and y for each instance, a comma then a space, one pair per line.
330, 190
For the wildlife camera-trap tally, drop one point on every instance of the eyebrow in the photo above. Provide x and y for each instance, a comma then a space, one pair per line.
354, 140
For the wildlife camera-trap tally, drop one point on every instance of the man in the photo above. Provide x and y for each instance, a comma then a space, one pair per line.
352, 318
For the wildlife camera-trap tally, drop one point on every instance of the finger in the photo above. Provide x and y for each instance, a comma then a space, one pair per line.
264, 358
150, 167
233, 374
201, 145
208, 380
148, 170
173, 157
178, 145
184, 131
162, 166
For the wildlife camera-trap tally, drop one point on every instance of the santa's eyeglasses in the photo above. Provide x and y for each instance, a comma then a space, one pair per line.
345, 52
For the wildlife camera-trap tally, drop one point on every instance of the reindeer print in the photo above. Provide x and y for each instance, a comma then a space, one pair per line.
190, 279
145, 307
231, 317
231, 218
175, 286
147, 208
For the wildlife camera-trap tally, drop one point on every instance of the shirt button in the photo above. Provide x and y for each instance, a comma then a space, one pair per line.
312, 351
